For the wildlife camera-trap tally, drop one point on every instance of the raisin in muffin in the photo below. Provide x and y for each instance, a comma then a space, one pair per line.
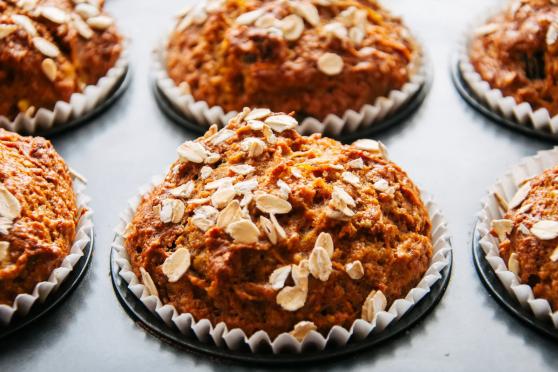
312, 57
529, 235
517, 53
38, 213
261, 228
50, 49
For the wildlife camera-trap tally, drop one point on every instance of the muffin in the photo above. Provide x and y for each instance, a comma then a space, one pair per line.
264, 229
517, 53
312, 57
528, 235
38, 213
50, 49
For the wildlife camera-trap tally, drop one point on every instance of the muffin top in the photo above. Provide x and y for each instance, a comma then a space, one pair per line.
50, 49
264, 229
314, 57
517, 52
529, 235
38, 213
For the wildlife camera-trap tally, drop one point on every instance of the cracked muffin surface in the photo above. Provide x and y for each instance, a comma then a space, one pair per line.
50, 49
261, 228
517, 53
38, 213
312, 57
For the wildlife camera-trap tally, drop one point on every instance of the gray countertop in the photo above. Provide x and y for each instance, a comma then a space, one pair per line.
446, 147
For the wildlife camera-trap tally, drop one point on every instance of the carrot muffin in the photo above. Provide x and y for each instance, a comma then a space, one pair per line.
38, 213
50, 49
314, 57
517, 53
261, 228
529, 235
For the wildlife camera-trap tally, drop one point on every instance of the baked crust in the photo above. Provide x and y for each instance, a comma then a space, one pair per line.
228, 281
236, 65
537, 261
43, 232
81, 61
517, 53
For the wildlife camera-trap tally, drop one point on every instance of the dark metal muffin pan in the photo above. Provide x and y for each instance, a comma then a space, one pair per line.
502, 296
391, 120
156, 327
471, 98
55, 298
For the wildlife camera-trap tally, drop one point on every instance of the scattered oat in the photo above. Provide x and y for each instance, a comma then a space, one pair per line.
243, 231
53, 14
205, 172
183, 191
520, 196
176, 265
221, 136
258, 114
355, 270
25, 23
46, 47
221, 182
292, 27
269, 203
280, 123
278, 228
336, 29
279, 276
307, 11
269, 229
267, 21
300, 274
247, 186
199, 201
253, 146
231, 213
148, 283
301, 329
351, 178
192, 151
356, 163
291, 298
513, 264
325, 241
86, 10
100, 22
82, 28
172, 210
374, 303
368, 145
381, 185
523, 229
502, 228
255, 124
269, 136
10, 207
320, 264
242, 169
249, 17
356, 34
284, 189
545, 230
330, 64
223, 196
6, 29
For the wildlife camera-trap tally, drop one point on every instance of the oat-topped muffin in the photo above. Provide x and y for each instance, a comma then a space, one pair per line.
529, 235
264, 229
38, 213
50, 49
517, 52
314, 57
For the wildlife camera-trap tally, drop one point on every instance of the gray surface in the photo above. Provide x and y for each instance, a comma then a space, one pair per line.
447, 148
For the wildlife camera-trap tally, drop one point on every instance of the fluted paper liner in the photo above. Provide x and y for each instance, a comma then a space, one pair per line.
507, 187
80, 103
521, 112
235, 339
351, 121
25, 301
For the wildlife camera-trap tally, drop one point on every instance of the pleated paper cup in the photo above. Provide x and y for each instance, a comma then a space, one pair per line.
25, 301
521, 112
507, 186
235, 339
80, 103
351, 121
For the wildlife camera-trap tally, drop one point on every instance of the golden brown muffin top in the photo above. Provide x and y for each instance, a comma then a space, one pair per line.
528, 235
517, 52
262, 228
38, 213
52, 48
233, 52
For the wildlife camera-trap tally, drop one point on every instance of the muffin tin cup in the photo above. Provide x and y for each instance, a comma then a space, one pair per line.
532, 309
203, 332
386, 111
492, 102
29, 306
80, 108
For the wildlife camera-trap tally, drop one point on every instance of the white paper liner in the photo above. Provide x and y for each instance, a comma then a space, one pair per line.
507, 187
23, 302
236, 339
521, 112
351, 121
80, 103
